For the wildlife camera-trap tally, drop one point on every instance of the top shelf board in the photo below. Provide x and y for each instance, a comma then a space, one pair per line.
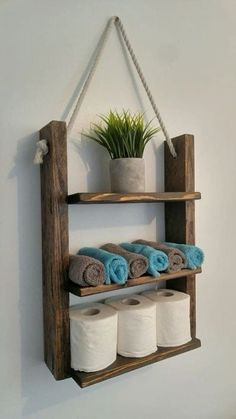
120, 198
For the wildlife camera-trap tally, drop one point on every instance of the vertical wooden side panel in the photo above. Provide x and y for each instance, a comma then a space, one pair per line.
55, 250
180, 216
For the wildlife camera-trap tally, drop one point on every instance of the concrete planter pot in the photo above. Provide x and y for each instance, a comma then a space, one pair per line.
127, 175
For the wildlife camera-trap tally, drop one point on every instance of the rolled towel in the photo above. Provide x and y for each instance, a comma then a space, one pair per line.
175, 256
116, 267
84, 271
193, 254
158, 261
138, 264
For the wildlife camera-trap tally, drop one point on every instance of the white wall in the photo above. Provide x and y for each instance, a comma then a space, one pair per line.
188, 52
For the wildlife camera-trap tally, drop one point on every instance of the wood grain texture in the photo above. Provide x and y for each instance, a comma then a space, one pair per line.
117, 198
180, 217
55, 250
85, 291
122, 364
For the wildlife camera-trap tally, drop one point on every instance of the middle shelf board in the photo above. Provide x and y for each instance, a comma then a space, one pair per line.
147, 279
121, 198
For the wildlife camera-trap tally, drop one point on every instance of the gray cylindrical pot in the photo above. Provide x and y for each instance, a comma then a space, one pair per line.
127, 175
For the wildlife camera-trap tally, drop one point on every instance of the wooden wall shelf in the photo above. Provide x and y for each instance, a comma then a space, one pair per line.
117, 198
146, 279
179, 200
122, 364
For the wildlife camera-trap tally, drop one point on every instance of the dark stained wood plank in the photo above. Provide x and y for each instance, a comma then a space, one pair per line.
180, 217
179, 172
85, 291
122, 365
55, 250
116, 198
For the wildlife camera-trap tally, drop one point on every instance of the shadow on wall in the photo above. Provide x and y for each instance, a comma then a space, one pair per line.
36, 380
158, 151
96, 162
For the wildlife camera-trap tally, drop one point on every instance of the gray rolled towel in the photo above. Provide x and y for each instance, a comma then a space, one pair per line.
138, 264
176, 258
85, 271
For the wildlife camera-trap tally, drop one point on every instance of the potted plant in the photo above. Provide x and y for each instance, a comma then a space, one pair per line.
125, 137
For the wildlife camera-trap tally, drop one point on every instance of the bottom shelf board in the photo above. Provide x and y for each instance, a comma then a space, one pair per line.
122, 364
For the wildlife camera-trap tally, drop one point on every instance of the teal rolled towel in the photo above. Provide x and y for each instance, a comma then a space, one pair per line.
116, 267
193, 254
158, 260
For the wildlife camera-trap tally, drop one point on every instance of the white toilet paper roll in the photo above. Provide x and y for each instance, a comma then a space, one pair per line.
173, 316
136, 325
93, 334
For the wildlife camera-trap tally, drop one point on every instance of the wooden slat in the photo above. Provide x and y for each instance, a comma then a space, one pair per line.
116, 198
180, 217
55, 250
85, 291
122, 365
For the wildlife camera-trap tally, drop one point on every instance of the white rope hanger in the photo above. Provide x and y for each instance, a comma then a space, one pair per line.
114, 20
145, 85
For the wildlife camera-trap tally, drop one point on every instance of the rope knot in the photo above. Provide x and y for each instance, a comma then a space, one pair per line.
41, 150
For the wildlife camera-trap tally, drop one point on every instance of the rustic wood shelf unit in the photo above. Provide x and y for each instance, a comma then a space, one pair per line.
179, 198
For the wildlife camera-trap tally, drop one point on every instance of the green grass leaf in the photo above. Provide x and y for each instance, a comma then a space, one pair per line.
123, 135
